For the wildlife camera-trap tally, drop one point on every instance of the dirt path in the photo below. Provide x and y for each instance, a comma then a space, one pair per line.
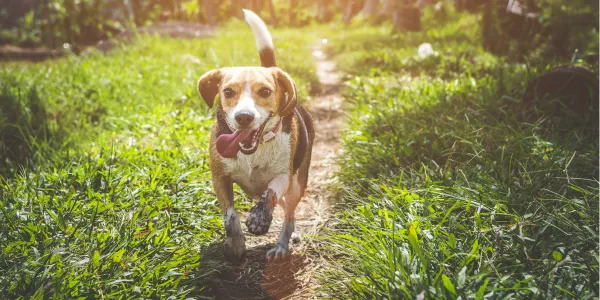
295, 278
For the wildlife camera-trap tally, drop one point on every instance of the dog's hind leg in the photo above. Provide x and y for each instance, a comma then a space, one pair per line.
292, 198
235, 242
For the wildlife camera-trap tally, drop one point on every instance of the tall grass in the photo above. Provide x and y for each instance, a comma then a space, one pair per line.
111, 197
451, 187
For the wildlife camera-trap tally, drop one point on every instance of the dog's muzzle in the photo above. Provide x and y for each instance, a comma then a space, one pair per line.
245, 140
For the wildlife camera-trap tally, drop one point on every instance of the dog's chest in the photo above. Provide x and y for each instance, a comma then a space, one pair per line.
254, 172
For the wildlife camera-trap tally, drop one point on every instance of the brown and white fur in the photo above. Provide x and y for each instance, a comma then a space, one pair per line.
274, 171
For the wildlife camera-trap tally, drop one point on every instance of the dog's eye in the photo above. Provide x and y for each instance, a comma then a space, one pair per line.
228, 93
264, 92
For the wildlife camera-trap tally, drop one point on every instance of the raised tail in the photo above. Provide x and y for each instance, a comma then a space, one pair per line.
264, 42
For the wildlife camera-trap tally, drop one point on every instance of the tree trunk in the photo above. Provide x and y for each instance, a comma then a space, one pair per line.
84, 34
257, 5
347, 12
130, 12
97, 20
293, 7
67, 22
388, 7
396, 20
406, 18
323, 10
138, 11
209, 11
272, 12
48, 37
370, 8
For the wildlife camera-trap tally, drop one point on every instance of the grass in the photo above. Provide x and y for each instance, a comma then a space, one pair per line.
450, 186
105, 182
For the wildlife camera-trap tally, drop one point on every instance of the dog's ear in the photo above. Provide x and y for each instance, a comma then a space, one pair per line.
285, 81
208, 86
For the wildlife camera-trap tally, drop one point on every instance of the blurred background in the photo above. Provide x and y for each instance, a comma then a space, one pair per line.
508, 26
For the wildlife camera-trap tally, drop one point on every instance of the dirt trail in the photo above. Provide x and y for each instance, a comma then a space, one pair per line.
295, 278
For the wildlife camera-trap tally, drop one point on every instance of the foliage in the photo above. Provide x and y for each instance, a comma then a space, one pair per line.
451, 187
80, 23
556, 28
114, 199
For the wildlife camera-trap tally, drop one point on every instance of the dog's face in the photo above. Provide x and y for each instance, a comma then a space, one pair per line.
249, 97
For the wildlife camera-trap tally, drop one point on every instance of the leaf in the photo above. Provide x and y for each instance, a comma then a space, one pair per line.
452, 240
472, 255
141, 234
118, 255
462, 276
481, 290
448, 284
477, 220
170, 273
414, 242
118, 281
96, 258
183, 177
557, 255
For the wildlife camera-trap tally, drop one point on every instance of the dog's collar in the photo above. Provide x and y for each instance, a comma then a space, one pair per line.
271, 134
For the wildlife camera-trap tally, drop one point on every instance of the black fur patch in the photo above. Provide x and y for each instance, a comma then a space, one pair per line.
261, 215
303, 130
302, 138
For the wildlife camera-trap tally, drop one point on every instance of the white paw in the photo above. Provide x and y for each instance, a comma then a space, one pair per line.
235, 247
278, 253
296, 237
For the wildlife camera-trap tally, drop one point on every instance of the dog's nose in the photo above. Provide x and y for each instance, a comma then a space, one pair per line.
244, 118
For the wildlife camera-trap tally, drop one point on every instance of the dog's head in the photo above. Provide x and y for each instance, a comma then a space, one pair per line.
249, 97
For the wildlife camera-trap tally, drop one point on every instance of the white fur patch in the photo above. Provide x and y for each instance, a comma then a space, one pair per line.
294, 190
280, 184
247, 103
229, 215
259, 28
254, 172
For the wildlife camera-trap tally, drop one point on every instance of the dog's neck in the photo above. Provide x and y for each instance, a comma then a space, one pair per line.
267, 137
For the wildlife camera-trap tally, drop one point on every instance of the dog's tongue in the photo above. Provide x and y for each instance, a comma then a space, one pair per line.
228, 145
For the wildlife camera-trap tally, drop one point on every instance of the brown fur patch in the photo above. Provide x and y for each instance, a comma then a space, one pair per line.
237, 79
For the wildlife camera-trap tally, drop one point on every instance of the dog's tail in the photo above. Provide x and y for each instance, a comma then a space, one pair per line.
264, 42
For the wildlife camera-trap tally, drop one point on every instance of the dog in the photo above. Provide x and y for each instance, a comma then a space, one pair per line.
261, 140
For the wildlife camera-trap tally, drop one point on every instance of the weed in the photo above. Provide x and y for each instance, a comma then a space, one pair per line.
451, 187
111, 197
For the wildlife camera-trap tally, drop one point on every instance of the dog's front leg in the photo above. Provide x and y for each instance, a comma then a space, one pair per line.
235, 243
292, 198
261, 214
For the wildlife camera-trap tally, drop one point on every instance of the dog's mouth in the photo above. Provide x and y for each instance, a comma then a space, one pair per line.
245, 140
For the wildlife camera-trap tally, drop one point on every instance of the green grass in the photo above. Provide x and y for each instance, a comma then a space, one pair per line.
450, 186
105, 182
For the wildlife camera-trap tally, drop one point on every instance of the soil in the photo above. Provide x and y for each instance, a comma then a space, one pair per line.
295, 277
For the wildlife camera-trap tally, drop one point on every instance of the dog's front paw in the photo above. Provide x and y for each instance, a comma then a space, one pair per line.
279, 252
235, 247
261, 214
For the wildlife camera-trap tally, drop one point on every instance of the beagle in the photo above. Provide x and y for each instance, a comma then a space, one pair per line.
261, 140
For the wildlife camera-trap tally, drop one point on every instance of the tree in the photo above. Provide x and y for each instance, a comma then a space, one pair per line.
370, 8
209, 11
